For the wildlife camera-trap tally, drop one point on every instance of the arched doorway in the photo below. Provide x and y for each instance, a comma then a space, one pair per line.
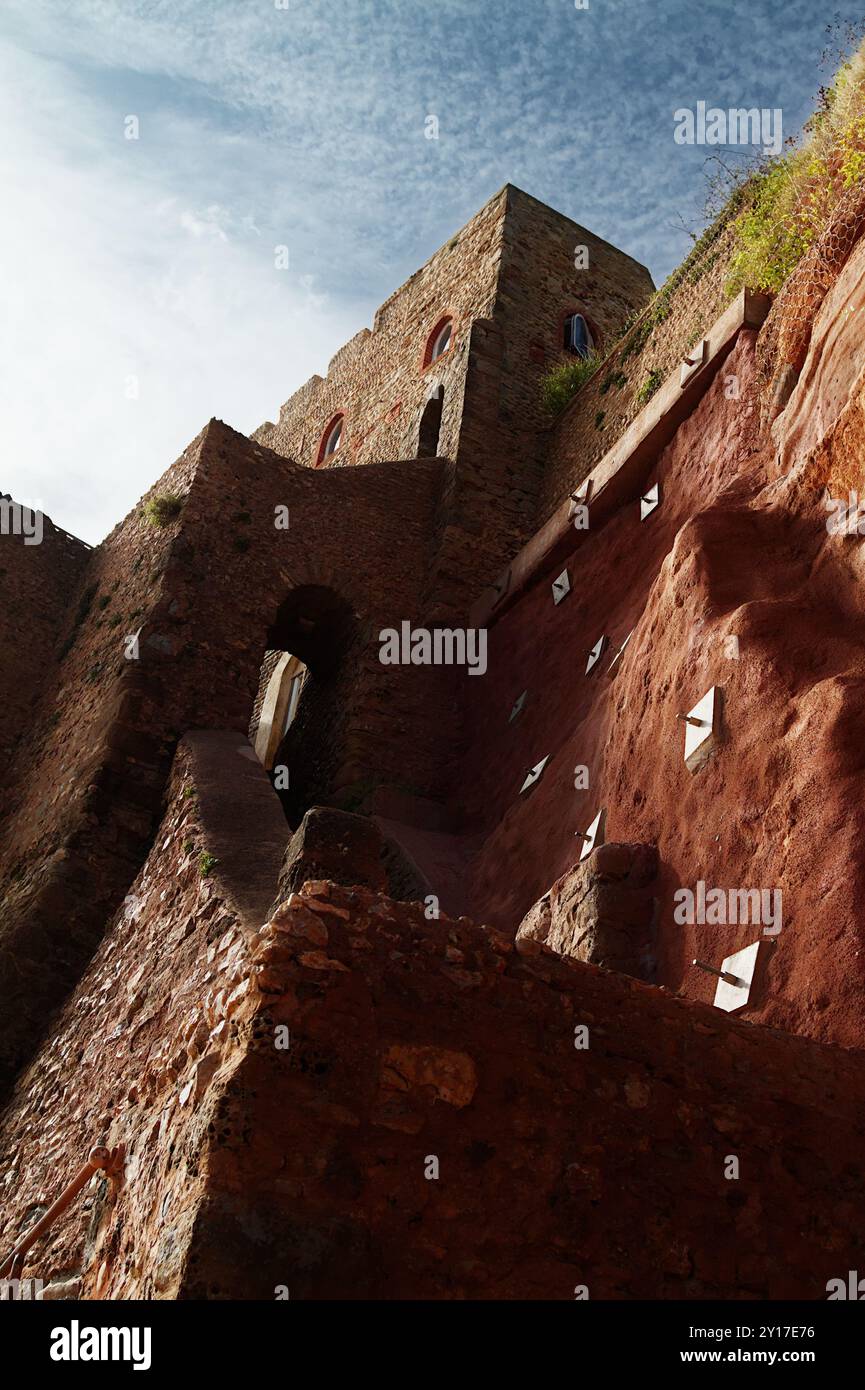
430, 425
305, 696
279, 708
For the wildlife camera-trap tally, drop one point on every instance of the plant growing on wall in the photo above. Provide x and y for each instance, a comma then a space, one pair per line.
649, 386
794, 197
163, 509
564, 379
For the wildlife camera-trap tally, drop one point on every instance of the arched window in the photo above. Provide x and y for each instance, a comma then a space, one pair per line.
439, 340
578, 336
331, 439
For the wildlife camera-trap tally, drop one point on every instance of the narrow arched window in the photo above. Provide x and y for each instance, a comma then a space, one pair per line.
578, 336
331, 439
439, 340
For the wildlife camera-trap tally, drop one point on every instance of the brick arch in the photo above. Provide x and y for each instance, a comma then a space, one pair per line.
312, 569
338, 418
449, 316
314, 622
315, 630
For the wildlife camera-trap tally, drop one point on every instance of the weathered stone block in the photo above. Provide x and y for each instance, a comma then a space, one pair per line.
335, 845
602, 911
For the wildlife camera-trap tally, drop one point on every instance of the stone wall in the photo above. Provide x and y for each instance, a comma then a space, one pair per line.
541, 280
489, 507
603, 911
734, 581
433, 1131
652, 348
203, 594
508, 279
378, 380
35, 583
139, 1051
356, 1102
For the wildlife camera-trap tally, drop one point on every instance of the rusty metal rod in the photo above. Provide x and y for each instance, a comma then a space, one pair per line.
99, 1157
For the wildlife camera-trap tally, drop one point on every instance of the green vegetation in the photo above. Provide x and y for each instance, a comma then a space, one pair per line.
702, 268
163, 509
649, 386
599, 419
794, 196
207, 863
563, 380
695, 337
636, 340
617, 379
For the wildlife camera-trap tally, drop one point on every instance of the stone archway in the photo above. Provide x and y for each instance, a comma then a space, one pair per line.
430, 425
279, 707
306, 697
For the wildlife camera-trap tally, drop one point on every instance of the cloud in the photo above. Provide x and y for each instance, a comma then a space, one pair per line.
152, 259
131, 316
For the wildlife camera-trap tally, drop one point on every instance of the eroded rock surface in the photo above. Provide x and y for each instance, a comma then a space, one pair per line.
602, 911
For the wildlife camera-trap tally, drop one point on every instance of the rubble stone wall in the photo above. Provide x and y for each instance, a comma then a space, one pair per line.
352, 1101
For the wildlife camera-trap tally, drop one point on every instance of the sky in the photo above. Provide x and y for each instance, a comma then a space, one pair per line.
202, 201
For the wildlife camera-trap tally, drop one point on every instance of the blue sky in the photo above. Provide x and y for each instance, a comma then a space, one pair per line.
141, 294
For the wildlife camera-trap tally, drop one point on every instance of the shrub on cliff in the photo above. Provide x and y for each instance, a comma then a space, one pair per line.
794, 197
562, 382
163, 509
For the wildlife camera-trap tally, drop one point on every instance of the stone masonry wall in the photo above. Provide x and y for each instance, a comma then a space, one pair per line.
355, 1102
378, 380
416, 1042
489, 506
139, 1051
540, 284
651, 349
202, 593
508, 279
35, 582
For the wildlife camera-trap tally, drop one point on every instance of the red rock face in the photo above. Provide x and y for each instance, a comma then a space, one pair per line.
735, 551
